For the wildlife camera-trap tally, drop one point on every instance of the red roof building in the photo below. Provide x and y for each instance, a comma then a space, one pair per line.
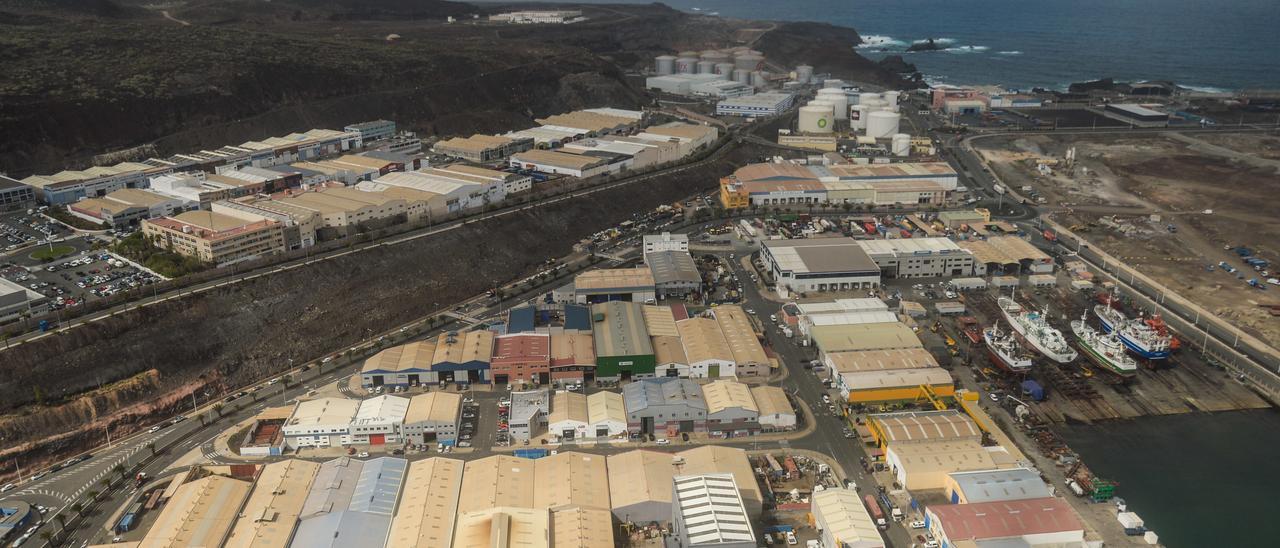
521, 357
1034, 521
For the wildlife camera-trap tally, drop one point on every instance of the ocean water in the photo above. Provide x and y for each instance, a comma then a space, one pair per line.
1196, 480
1211, 44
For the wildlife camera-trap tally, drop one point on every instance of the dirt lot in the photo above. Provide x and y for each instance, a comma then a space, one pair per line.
1125, 191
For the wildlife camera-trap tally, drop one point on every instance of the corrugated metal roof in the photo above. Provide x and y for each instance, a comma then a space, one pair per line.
711, 509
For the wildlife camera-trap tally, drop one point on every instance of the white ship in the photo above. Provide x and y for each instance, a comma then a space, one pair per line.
1105, 349
1034, 329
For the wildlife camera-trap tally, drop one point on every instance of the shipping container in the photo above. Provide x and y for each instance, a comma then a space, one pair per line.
874, 508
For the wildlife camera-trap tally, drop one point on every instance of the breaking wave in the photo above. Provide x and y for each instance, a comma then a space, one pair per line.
880, 41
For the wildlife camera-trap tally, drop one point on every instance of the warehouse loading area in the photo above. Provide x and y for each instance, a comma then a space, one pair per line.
1178, 206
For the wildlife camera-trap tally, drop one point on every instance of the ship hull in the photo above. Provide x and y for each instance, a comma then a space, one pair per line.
1104, 362
1133, 345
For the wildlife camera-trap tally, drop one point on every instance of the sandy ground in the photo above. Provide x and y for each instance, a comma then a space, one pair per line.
1123, 191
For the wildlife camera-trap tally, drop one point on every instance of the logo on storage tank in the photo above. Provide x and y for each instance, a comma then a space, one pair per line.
822, 122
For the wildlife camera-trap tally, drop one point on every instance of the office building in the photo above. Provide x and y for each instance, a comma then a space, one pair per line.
214, 237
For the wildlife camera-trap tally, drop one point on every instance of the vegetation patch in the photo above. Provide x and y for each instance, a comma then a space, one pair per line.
49, 253
161, 261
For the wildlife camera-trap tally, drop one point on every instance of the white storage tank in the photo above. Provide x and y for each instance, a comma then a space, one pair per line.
759, 79
882, 124
748, 61
686, 65
891, 98
874, 105
858, 116
833, 83
866, 97
724, 69
666, 64
716, 56
831, 108
901, 144
815, 119
837, 98
706, 67
804, 73
742, 76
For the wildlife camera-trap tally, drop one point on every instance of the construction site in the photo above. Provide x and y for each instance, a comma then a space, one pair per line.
1186, 208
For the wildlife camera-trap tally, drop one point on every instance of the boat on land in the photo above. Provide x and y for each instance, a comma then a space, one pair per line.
1139, 336
1005, 350
1033, 328
1104, 349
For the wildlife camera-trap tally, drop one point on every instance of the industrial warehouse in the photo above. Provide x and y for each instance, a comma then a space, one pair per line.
787, 183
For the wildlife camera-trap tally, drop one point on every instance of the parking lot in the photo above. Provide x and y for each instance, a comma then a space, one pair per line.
72, 280
18, 229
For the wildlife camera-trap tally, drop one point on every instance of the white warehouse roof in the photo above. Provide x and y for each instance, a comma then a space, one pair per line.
382, 409
712, 509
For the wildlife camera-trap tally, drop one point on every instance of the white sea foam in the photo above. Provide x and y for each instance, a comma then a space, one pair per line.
941, 41
1014, 52
878, 41
967, 49
1204, 89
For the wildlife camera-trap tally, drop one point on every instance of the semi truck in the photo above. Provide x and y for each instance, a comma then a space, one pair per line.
876, 513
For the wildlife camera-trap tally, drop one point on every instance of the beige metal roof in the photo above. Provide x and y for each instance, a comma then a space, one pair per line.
590, 121
703, 340
606, 406
571, 479
660, 321
622, 331
199, 514
474, 143
867, 336
1004, 250
138, 197
558, 159
915, 426
669, 350
580, 527
880, 360
645, 476
725, 394
504, 527
944, 456
568, 406
209, 220
324, 411
271, 513
846, 517
500, 480
896, 378
771, 400
415, 355
736, 327
426, 512
434, 406
572, 348
469, 346
614, 278
678, 129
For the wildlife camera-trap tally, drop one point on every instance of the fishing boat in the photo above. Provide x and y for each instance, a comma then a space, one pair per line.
1034, 329
1005, 350
1137, 335
1105, 349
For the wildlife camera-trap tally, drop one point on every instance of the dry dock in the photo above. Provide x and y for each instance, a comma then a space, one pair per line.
1083, 392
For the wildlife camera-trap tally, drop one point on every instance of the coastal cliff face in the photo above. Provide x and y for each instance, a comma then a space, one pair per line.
83, 78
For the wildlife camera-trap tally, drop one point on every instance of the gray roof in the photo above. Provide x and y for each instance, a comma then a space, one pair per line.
524, 405
1001, 485
821, 255
289, 169
7, 183
662, 391
370, 124
673, 267
351, 503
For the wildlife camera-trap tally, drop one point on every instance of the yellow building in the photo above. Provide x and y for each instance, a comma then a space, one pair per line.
894, 385
909, 427
733, 195
824, 143
215, 237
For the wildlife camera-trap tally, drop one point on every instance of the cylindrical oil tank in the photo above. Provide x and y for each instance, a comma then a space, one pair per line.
874, 105
858, 116
833, 83
717, 56
864, 98
725, 69
748, 62
891, 98
759, 79
666, 64
837, 98
882, 124
815, 119
706, 67
686, 65
804, 73
831, 109
901, 144
742, 76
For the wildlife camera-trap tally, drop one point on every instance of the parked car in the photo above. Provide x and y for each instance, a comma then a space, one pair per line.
664, 441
